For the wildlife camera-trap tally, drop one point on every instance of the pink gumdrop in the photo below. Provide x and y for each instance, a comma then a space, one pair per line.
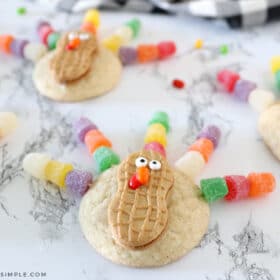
238, 187
166, 49
155, 146
228, 79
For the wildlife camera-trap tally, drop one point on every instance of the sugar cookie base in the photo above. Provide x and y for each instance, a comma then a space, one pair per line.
103, 76
188, 222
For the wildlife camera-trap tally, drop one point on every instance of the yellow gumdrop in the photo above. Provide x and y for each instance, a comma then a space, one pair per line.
93, 17
275, 64
156, 133
56, 172
198, 44
113, 43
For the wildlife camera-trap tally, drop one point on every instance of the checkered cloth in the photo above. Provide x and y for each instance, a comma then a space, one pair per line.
238, 13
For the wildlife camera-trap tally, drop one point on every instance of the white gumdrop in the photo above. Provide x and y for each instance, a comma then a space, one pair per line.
34, 51
35, 164
191, 164
8, 123
261, 99
125, 33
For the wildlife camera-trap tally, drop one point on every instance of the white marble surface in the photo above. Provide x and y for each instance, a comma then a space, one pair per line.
39, 225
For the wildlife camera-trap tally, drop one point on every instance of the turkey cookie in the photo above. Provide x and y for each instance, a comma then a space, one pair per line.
269, 128
142, 213
138, 213
77, 69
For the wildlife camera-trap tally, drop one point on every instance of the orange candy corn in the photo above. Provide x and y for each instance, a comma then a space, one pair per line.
88, 27
203, 146
95, 139
146, 53
5, 43
260, 184
142, 175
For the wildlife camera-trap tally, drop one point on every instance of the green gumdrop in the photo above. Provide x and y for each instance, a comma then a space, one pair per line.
135, 25
162, 118
105, 158
52, 40
213, 189
277, 79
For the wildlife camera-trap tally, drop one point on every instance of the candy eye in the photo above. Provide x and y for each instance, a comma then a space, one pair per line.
155, 165
72, 36
141, 162
84, 36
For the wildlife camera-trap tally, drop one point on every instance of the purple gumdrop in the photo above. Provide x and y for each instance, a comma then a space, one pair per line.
78, 182
243, 88
82, 126
212, 133
17, 47
128, 55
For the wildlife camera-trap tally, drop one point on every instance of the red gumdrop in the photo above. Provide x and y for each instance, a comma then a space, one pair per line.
238, 187
228, 79
178, 83
166, 49
134, 183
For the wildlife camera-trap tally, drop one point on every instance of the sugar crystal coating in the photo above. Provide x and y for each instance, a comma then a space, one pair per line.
203, 146
166, 49
261, 184
17, 47
213, 188
78, 182
243, 88
238, 187
156, 132
93, 17
228, 79
135, 26
56, 172
155, 146
127, 55
212, 133
105, 158
82, 126
162, 118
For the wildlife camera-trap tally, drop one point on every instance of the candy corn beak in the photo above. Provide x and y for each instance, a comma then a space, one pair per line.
73, 44
140, 178
143, 175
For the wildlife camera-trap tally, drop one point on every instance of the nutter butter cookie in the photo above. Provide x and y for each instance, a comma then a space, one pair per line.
79, 68
138, 214
73, 56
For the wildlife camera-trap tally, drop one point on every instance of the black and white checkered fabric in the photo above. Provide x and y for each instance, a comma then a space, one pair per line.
238, 13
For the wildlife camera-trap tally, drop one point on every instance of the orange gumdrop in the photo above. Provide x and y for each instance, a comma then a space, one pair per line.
88, 27
95, 139
142, 175
146, 53
260, 184
5, 43
204, 146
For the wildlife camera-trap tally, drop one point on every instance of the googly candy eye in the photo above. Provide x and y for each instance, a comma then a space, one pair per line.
72, 36
84, 36
141, 162
155, 165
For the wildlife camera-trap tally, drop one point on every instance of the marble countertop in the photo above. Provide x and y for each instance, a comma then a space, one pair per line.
39, 225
